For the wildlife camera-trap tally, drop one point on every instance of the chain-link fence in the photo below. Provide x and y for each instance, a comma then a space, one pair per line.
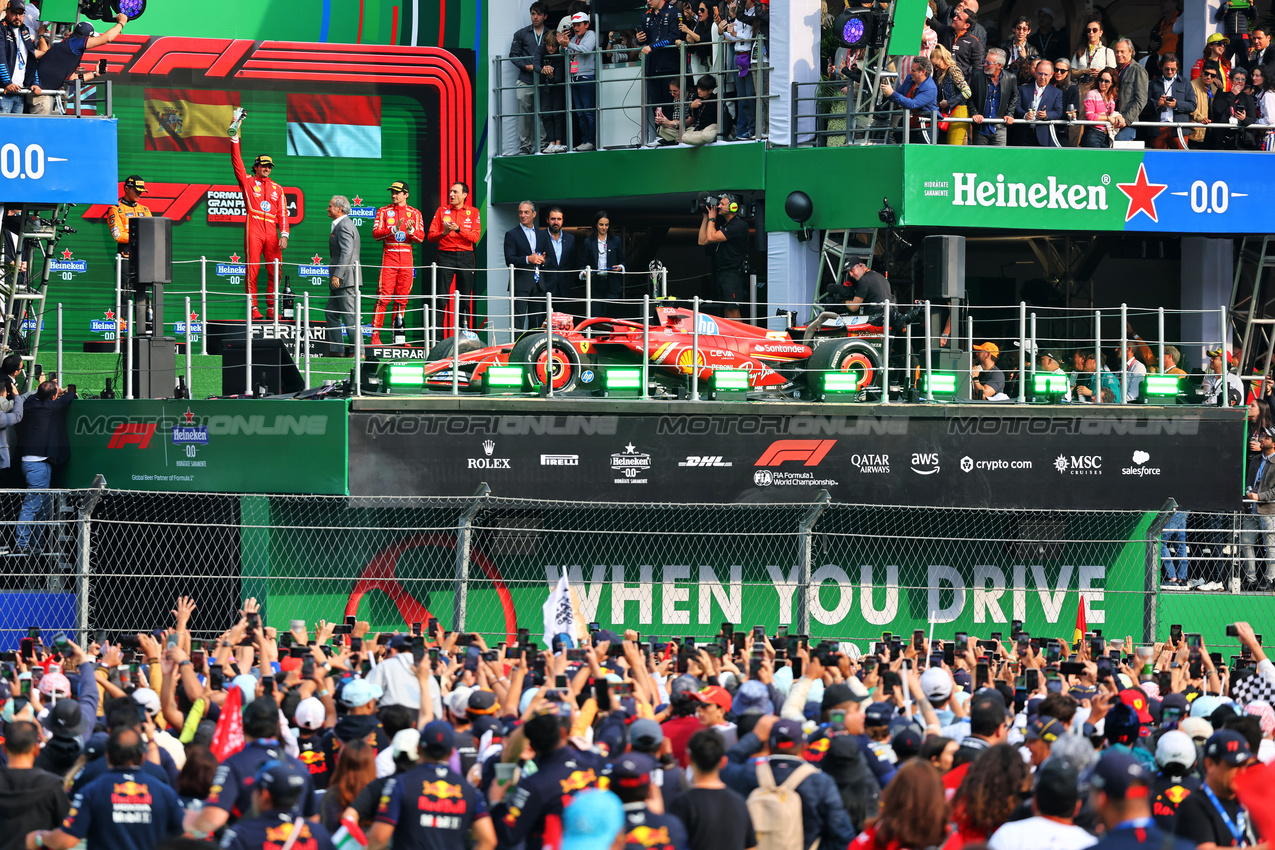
115, 561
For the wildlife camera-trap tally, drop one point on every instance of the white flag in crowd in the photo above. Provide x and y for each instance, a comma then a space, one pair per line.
559, 613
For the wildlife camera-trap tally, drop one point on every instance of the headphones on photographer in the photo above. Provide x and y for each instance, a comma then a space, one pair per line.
733, 206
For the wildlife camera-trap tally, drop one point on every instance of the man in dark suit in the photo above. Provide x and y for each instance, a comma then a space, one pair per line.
342, 311
560, 262
1262, 53
1042, 101
1169, 98
43, 445
524, 251
993, 94
604, 253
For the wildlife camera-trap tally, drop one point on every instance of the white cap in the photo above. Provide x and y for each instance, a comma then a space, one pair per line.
310, 713
54, 684
148, 699
579, 18
458, 701
936, 684
1197, 727
1175, 747
407, 742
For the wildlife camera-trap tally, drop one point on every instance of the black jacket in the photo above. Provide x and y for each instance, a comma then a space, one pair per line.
557, 276
524, 50
1221, 110
516, 252
612, 285
978, 94
9, 55
43, 429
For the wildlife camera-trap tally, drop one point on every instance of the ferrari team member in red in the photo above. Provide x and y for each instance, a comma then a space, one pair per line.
267, 210
398, 226
457, 229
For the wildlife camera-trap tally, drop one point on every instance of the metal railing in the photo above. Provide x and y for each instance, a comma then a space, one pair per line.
814, 121
74, 97
614, 87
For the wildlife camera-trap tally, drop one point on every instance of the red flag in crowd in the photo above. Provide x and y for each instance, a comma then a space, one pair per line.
1080, 621
1255, 787
228, 738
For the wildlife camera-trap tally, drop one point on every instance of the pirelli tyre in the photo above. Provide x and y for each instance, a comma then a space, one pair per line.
443, 350
847, 355
564, 370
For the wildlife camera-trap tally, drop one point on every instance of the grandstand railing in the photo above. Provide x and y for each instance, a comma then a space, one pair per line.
75, 97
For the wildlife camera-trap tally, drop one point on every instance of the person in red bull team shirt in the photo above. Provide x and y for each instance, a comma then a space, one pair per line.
123, 809
266, 231
277, 789
431, 807
399, 227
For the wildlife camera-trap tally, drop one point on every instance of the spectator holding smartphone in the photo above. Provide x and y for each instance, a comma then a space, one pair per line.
58, 62
44, 445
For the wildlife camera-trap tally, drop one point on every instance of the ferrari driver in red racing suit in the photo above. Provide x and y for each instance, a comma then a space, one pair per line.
267, 209
398, 226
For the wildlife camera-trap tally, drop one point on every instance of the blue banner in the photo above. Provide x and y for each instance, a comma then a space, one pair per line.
58, 159
1206, 192
50, 612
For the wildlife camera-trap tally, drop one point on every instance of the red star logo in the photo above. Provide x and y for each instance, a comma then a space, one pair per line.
358, 202
190, 417
1142, 195
234, 258
66, 254
194, 316
316, 259
110, 314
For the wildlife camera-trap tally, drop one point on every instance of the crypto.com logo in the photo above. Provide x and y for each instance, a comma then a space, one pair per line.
810, 452
128, 433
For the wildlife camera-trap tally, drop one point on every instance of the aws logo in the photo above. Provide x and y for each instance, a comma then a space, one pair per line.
925, 463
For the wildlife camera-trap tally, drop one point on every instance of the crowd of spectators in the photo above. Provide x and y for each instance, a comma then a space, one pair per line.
1039, 74
425, 738
689, 50
35, 69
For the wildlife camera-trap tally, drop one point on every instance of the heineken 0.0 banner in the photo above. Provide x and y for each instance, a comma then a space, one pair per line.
209, 446
1083, 189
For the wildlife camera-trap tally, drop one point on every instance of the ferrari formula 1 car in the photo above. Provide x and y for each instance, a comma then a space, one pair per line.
776, 361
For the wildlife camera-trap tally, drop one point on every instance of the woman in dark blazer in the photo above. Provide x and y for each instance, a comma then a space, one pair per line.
603, 253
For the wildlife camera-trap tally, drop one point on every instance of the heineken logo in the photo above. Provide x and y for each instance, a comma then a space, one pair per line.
1142, 195
968, 191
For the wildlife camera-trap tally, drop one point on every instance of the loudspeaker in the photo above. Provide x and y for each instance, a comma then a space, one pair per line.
150, 250
154, 366
272, 367
944, 267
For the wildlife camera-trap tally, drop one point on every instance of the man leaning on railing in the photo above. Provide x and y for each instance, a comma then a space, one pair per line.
58, 62
1169, 98
919, 95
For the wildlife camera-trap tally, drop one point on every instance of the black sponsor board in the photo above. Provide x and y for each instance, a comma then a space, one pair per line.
1126, 460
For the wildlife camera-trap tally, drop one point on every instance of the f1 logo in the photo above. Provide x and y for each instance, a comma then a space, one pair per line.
129, 433
811, 452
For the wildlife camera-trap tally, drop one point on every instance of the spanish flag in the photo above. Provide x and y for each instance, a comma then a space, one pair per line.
1081, 628
189, 120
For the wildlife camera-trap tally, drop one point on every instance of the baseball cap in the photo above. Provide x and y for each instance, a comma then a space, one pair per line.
438, 738
716, 695
1045, 10
66, 720
1051, 354
264, 159
359, 692
282, 776
458, 701
1057, 786
1120, 776
17, 6
579, 18
83, 30
989, 347
1197, 727
398, 643
55, 684
936, 684
481, 702
754, 696
645, 735
1121, 724
1136, 700
407, 742
1228, 746
906, 743
879, 714
132, 181
1175, 747
147, 699
1205, 705
851, 690
398, 186
1217, 352
786, 734
310, 713
630, 770
1214, 38
1044, 728
592, 820
684, 682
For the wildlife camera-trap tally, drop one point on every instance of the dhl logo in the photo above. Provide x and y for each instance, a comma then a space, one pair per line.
648, 836
440, 789
578, 781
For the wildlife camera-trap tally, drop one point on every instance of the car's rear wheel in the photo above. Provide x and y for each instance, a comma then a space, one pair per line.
848, 355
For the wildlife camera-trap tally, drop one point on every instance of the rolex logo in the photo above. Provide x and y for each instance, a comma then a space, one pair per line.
489, 446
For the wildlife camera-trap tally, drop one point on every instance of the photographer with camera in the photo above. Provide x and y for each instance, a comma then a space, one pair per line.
725, 236
10, 406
